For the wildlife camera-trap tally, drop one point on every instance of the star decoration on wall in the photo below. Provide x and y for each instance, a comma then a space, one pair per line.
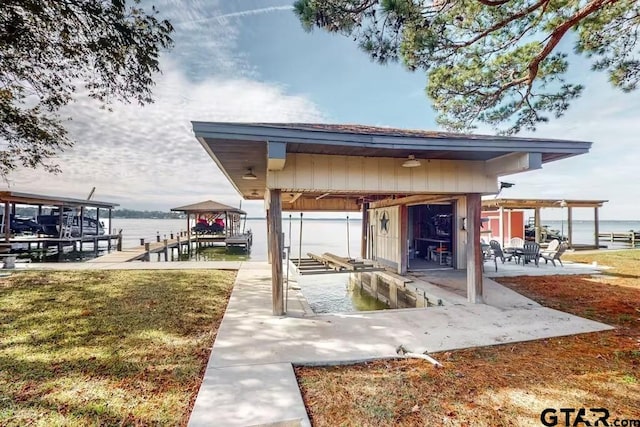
384, 222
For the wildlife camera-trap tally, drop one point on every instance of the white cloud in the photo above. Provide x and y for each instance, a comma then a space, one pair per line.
608, 118
147, 157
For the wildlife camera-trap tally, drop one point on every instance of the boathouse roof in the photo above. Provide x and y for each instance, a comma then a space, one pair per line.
490, 204
208, 206
47, 200
244, 152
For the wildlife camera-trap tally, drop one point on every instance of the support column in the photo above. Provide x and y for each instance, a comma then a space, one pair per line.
404, 244
7, 222
536, 224
275, 245
365, 227
269, 236
596, 226
474, 251
501, 222
570, 227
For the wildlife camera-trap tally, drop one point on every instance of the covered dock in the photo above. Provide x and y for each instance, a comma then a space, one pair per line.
414, 188
213, 222
78, 209
504, 204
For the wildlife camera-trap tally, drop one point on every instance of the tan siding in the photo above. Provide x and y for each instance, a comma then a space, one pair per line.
322, 173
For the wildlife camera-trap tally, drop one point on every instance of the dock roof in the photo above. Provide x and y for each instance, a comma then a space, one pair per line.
254, 148
47, 200
208, 206
491, 204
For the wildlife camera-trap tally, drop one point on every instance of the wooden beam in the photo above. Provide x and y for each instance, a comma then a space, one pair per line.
275, 243
474, 252
415, 199
7, 222
365, 228
333, 204
404, 243
570, 226
536, 225
295, 197
596, 225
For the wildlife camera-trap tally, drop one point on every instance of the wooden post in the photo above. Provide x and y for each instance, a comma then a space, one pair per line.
98, 222
474, 251
569, 227
404, 244
501, 225
269, 236
365, 227
166, 250
60, 222
119, 245
536, 225
147, 255
188, 232
7, 222
109, 232
596, 226
275, 245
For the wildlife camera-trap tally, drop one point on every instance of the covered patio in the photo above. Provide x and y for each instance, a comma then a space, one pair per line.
381, 172
536, 205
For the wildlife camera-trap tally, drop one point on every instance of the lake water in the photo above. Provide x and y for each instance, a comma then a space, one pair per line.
325, 293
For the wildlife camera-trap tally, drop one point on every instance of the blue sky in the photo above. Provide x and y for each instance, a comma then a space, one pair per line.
250, 60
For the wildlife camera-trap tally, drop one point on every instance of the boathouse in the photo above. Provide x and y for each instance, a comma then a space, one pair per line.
419, 191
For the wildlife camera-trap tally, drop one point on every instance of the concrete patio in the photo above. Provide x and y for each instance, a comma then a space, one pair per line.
252, 356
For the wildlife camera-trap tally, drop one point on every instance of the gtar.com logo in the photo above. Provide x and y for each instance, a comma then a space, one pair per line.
572, 417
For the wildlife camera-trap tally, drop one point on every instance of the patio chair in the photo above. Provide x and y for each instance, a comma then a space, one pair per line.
496, 252
514, 247
554, 256
530, 252
516, 242
552, 247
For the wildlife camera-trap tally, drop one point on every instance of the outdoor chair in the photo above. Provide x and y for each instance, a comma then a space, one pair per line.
514, 247
530, 252
553, 246
516, 242
554, 256
496, 252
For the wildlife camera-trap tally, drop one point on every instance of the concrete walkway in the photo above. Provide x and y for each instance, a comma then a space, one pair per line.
258, 348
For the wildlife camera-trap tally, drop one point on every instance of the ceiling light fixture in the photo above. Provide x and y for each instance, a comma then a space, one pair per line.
254, 193
249, 175
411, 162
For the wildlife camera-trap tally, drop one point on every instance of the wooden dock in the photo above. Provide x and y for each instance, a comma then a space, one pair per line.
328, 263
144, 251
631, 237
114, 240
181, 242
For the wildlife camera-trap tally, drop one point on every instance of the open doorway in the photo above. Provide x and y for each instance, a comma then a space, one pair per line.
431, 236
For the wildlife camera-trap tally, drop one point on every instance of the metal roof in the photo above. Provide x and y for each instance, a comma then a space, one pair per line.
208, 206
39, 199
540, 203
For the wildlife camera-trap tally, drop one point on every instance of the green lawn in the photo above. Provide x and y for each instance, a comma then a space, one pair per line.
106, 347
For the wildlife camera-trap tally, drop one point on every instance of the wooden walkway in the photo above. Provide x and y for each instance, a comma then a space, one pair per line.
143, 251
328, 263
630, 237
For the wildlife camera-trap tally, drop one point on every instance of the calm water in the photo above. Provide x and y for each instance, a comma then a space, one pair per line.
325, 293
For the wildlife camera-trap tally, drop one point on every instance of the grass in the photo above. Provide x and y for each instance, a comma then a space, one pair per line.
106, 347
507, 385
